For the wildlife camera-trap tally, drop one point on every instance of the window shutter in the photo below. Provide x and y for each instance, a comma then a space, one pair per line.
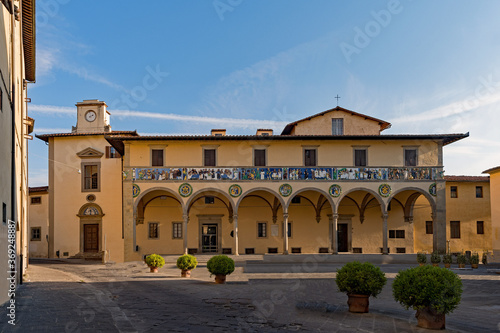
108, 148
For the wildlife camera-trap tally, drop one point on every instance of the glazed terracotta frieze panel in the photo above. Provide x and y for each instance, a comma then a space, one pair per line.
288, 174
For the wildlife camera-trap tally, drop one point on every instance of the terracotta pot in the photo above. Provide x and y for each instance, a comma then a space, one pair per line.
153, 269
421, 264
447, 265
427, 318
461, 265
358, 303
435, 265
220, 278
474, 265
185, 273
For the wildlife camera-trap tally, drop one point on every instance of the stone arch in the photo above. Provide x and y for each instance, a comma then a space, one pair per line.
383, 206
194, 197
140, 206
426, 194
327, 196
275, 194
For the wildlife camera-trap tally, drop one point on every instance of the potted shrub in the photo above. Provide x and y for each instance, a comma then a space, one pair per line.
447, 260
461, 260
474, 260
360, 281
421, 258
220, 266
154, 261
186, 263
432, 291
435, 259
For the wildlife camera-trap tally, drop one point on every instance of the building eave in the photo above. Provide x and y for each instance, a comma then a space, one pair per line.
28, 18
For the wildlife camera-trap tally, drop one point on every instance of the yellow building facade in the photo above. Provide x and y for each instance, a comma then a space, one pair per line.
38, 229
495, 212
17, 69
329, 183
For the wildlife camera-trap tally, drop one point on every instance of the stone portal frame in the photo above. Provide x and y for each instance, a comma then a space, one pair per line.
95, 218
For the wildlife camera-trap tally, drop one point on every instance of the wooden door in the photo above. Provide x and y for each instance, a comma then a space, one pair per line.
91, 238
342, 237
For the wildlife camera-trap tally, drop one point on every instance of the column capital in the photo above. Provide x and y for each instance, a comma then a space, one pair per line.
385, 216
235, 216
285, 215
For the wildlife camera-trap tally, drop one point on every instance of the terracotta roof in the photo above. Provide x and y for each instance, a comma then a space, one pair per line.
117, 141
467, 178
45, 137
29, 38
39, 189
383, 124
492, 170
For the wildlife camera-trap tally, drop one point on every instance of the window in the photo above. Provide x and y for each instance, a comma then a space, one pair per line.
4, 212
337, 126
157, 157
91, 177
454, 229
429, 228
153, 230
262, 229
209, 157
401, 250
396, 234
360, 157
112, 153
36, 234
310, 157
480, 227
36, 200
296, 200
410, 157
259, 157
209, 200
479, 191
453, 192
177, 230
289, 230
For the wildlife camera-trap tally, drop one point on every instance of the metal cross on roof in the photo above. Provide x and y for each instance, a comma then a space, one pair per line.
337, 97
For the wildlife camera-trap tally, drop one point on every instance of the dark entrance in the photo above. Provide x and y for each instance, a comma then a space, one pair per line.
342, 237
209, 238
91, 238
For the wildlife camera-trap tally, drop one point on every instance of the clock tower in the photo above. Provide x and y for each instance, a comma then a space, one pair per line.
92, 117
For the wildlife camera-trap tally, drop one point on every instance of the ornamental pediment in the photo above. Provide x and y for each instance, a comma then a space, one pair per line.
90, 152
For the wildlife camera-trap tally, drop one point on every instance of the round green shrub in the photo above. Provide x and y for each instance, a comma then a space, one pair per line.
187, 262
447, 259
461, 259
435, 258
428, 287
155, 260
474, 258
360, 278
421, 258
220, 265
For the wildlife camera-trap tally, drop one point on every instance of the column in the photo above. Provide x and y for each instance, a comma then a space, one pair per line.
335, 243
439, 219
384, 217
185, 228
235, 221
285, 233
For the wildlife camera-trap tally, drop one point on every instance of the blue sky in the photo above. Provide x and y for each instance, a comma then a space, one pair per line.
182, 67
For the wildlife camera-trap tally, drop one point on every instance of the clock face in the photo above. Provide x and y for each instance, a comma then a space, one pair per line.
90, 116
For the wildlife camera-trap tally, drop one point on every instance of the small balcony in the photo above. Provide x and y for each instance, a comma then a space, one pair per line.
308, 174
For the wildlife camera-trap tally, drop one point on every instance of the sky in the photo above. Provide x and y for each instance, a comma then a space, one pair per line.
185, 67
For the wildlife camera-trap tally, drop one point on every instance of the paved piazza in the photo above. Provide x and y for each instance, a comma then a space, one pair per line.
71, 296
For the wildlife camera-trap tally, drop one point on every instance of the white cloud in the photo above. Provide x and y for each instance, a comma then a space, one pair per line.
225, 122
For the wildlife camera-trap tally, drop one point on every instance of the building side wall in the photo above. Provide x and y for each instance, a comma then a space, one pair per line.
495, 214
39, 218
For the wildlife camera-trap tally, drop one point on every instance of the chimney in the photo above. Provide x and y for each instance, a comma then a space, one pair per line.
218, 132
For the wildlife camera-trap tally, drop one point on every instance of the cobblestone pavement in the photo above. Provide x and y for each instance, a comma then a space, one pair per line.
65, 297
